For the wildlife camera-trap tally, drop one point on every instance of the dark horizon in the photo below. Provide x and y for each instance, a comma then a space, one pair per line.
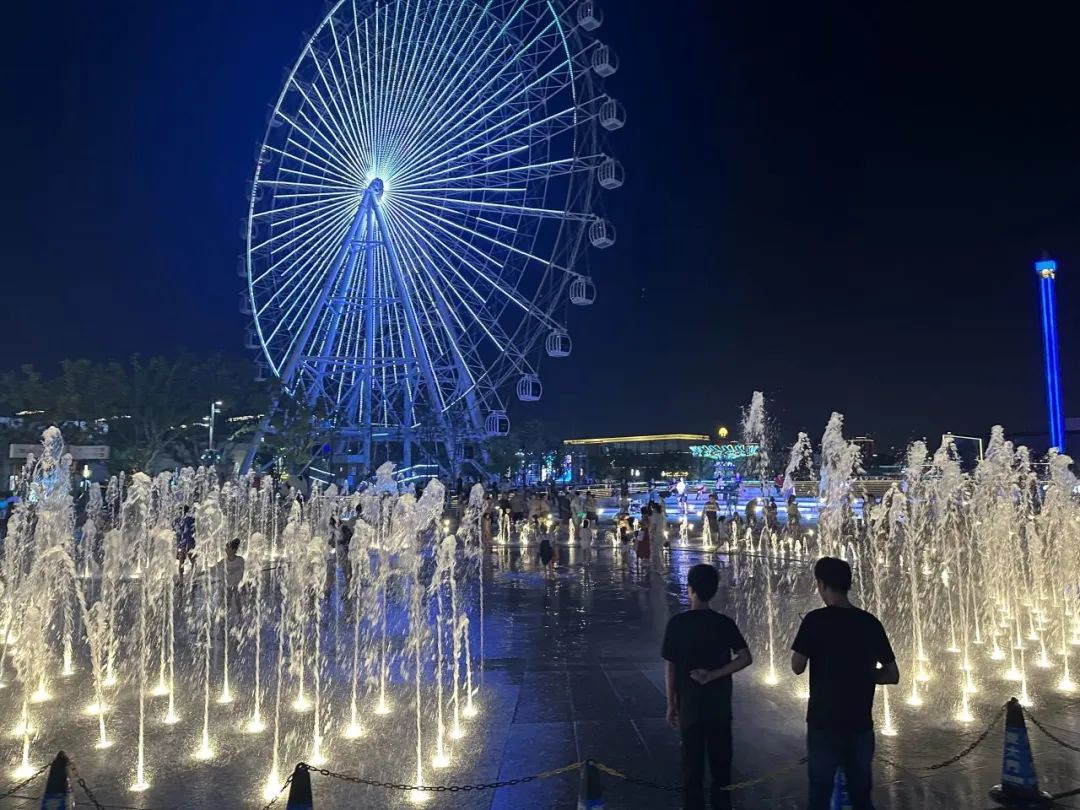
839, 206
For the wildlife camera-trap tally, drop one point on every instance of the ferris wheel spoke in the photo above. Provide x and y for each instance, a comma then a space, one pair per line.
326, 170
326, 156
416, 236
297, 257
331, 109
435, 75
344, 89
332, 149
439, 159
504, 290
470, 69
524, 210
533, 171
331, 212
461, 126
440, 222
303, 260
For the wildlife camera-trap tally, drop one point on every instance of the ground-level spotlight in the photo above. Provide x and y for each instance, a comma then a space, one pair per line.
273, 786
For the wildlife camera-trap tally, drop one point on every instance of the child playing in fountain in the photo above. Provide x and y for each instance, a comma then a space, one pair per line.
547, 552
234, 575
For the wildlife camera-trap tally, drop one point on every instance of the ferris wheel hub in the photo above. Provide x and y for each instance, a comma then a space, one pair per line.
377, 186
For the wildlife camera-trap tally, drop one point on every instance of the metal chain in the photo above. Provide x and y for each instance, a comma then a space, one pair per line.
957, 757
678, 788
1056, 739
16, 788
273, 801
359, 780
86, 788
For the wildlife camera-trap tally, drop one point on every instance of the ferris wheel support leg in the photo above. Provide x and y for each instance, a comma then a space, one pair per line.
289, 370
415, 345
369, 328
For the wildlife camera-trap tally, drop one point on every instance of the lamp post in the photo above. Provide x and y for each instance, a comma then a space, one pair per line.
215, 409
1046, 270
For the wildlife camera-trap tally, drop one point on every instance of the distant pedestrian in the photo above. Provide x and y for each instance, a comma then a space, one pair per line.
844, 646
234, 575
546, 553
698, 647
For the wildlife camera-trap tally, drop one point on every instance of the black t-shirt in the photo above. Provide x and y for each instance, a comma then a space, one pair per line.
844, 645
701, 639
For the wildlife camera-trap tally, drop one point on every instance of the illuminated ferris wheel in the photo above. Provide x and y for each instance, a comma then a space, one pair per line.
426, 188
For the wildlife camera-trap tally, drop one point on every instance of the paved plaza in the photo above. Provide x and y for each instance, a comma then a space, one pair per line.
573, 671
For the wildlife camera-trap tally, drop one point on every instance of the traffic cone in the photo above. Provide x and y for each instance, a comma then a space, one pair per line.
591, 795
58, 793
840, 799
1019, 785
300, 797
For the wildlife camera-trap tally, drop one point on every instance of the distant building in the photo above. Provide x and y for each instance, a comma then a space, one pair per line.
659, 456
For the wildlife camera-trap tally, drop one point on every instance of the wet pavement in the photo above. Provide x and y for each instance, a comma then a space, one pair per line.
573, 671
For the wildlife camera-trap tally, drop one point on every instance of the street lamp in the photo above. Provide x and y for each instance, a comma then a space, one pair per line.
215, 409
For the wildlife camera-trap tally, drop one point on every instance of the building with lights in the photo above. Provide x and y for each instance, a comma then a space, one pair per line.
659, 456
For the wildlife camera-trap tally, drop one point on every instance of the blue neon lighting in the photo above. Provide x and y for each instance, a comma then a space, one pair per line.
1047, 272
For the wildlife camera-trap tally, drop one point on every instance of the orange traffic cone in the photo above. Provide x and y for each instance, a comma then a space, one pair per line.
58, 793
1019, 785
300, 797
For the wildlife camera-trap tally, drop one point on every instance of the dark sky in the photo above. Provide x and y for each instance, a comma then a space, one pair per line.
835, 202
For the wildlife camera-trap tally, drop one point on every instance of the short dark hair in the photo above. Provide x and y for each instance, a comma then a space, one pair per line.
705, 580
833, 573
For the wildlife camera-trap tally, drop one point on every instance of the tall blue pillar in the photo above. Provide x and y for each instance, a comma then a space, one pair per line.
1046, 269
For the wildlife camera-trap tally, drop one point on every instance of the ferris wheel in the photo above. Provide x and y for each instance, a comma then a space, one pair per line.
424, 194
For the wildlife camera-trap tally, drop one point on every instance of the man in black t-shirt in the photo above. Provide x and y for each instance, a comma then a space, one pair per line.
697, 647
849, 654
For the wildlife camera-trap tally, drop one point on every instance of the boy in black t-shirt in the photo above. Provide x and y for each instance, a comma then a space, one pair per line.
698, 647
849, 654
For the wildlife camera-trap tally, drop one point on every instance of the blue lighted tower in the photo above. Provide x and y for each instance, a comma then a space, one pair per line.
1047, 271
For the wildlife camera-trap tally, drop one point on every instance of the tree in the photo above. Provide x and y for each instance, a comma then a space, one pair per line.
149, 411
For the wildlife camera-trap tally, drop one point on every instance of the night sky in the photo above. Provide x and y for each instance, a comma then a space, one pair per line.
837, 203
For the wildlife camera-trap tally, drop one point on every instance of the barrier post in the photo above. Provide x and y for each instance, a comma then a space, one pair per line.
58, 793
300, 797
1019, 785
591, 794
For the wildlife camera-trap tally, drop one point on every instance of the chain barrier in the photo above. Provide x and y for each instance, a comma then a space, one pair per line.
605, 769
359, 780
281, 792
956, 757
85, 787
1045, 731
633, 780
16, 788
